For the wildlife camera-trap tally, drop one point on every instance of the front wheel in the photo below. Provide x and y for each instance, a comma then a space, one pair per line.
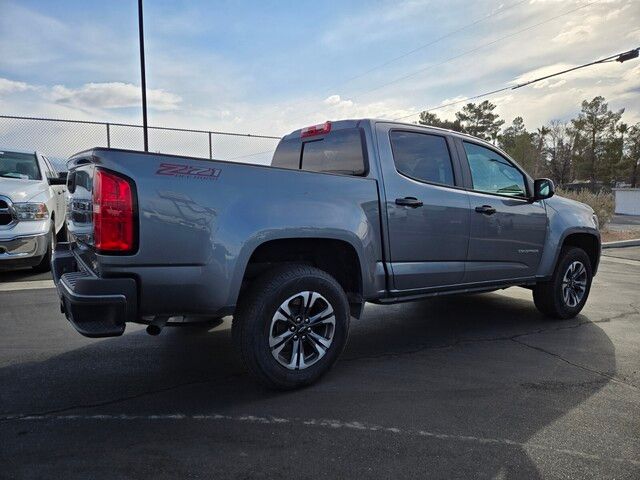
566, 293
291, 326
45, 263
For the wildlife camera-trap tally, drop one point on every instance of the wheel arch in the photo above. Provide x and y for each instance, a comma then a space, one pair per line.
588, 242
338, 257
586, 238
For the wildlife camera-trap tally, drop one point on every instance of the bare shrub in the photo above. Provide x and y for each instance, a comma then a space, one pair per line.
603, 203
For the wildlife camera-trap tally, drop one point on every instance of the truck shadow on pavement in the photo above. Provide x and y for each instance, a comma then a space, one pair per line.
483, 375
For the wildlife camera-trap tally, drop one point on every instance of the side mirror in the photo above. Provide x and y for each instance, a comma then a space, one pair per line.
543, 188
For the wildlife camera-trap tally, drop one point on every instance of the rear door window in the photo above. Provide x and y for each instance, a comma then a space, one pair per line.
422, 156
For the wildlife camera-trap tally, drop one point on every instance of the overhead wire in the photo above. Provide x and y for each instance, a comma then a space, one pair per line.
620, 57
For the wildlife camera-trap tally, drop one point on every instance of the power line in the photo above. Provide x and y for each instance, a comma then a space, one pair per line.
428, 44
428, 67
619, 57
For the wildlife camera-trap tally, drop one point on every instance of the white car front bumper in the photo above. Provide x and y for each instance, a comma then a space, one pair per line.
25, 244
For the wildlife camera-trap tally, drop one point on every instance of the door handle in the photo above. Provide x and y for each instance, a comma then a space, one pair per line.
486, 209
412, 202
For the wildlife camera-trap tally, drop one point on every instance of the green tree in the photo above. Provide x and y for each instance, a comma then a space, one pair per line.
596, 123
540, 138
479, 120
431, 119
518, 143
560, 150
618, 170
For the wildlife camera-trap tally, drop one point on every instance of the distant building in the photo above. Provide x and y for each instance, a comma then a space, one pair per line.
627, 201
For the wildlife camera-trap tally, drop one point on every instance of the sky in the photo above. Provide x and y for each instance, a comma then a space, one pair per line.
270, 67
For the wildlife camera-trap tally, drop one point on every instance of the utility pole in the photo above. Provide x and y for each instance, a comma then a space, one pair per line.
144, 77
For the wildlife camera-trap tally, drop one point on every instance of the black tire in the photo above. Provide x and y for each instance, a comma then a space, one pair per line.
253, 324
45, 263
548, 296
62, 234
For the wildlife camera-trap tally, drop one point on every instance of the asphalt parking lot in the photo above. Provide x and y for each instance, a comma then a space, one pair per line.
460, 387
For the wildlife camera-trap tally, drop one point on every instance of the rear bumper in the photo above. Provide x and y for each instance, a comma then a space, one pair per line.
95, 306
23, 250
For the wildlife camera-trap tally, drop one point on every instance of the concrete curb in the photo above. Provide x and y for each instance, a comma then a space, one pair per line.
634, 242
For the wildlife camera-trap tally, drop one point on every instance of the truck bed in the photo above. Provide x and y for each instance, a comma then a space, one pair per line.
200, 221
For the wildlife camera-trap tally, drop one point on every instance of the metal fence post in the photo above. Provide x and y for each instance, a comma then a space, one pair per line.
210, 150
108, 136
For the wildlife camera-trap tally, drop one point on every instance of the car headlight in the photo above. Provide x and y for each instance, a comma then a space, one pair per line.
31, 211
596, 221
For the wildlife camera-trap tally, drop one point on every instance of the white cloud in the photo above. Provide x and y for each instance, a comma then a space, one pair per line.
336, 101
578, 33
11, 86
112, 95
616, 13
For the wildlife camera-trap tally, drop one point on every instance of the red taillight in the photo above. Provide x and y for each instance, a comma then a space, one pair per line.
314, 130
113, 215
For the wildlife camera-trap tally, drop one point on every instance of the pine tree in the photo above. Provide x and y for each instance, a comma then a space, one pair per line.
479, 120
431, 119
596, 124
518, 143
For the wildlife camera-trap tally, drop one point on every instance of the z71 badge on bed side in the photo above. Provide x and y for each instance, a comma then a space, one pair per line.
178, 170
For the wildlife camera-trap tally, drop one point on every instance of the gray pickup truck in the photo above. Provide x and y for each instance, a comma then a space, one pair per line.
349, 212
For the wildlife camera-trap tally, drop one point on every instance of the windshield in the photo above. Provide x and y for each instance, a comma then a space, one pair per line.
19, 165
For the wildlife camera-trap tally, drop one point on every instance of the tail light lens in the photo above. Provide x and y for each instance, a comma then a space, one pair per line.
113, 213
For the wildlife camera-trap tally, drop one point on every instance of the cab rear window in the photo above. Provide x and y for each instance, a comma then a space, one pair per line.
340, 151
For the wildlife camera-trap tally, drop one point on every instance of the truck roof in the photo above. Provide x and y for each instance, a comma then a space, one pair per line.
352, 123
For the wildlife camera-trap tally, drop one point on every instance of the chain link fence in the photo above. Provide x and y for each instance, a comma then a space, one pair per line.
59, 139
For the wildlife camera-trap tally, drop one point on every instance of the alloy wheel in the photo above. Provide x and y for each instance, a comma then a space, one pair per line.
574, 284
302, 330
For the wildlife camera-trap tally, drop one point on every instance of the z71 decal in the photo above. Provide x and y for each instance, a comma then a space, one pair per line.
177, 170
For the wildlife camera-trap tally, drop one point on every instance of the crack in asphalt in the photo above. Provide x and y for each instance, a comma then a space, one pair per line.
457, 342
577, 365
464, 341
114, 401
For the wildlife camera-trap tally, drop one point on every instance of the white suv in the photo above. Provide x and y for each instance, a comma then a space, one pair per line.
32, 209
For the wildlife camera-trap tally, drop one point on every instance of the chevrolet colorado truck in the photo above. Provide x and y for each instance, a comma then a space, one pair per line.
348, 212
32, 210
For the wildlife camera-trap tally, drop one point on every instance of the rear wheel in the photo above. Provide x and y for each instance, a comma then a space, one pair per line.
45, 263
291, 326
566, 293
